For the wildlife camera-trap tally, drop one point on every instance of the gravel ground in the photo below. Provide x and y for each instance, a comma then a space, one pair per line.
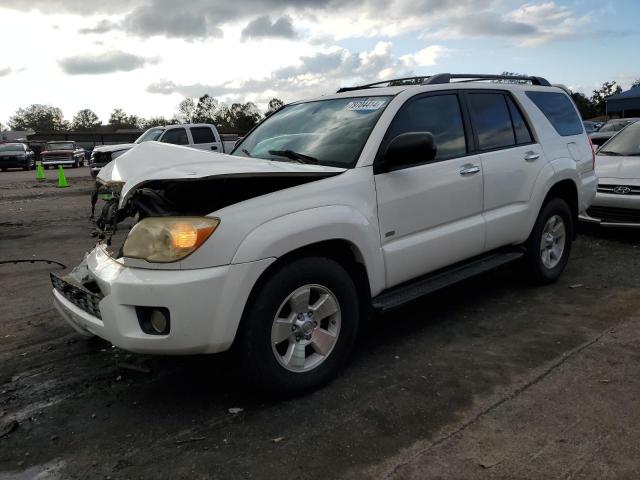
488, 379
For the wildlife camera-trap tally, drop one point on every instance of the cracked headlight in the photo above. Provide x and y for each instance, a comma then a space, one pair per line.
168, 239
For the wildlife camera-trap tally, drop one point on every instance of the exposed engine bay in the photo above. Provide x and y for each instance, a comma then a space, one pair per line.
183, 197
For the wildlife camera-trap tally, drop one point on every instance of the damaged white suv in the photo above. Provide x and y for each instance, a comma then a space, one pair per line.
368, 198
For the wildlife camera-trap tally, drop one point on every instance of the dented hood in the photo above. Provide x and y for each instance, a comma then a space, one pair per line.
151, 161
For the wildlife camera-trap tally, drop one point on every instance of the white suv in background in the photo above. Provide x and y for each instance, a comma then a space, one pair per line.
368, 198
201, 136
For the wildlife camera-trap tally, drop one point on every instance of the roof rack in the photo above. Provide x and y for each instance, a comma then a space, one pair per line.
446, 78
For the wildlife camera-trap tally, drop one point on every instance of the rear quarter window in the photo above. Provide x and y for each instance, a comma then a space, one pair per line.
559, 110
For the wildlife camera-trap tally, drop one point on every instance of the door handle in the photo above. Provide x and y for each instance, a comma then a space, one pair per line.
531, 156
469, 170
214, 147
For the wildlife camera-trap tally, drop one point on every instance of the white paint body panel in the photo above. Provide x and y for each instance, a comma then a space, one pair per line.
401, 224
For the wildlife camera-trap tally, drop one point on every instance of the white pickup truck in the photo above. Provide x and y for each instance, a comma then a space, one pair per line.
202, 136
365, 199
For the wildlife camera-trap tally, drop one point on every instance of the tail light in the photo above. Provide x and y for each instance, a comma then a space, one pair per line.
593, 155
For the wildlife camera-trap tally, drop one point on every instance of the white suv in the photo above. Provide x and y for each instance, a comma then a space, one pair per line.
367, 198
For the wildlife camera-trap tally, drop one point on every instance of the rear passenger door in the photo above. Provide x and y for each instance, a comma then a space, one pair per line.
430, 214
204, 139
511, 161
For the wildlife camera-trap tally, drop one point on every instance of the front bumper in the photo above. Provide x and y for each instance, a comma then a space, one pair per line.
55, 163
205, 305
614, 210
14, 162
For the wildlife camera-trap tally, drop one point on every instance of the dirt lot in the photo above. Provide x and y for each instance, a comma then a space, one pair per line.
488, 379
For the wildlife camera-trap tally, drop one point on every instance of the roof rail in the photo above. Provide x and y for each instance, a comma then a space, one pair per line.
440, 78
394, 82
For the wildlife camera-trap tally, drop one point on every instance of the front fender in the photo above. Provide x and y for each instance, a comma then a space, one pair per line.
290, 232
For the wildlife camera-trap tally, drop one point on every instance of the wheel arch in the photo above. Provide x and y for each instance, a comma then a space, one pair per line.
342, 251
568, 191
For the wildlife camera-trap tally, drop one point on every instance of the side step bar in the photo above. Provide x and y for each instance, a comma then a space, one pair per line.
398, 296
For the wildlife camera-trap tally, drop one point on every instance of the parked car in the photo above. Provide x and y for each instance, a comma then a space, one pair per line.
16, 155
65, 153
617, 202
364, 199
201, 136
609, 129
590, 127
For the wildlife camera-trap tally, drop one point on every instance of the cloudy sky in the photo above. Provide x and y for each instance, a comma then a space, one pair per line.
146, 55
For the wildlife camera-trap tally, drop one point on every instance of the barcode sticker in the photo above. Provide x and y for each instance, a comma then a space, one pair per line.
365, 105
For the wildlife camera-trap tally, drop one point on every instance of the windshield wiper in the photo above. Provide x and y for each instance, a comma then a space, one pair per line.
609, 152
246, 152
299, 157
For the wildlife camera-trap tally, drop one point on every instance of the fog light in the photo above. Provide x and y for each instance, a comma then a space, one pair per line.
158, 321
154, 320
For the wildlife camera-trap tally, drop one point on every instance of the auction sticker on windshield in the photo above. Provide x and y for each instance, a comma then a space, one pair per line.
365, 105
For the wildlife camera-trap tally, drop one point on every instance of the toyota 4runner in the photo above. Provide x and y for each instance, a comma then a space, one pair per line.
368, 198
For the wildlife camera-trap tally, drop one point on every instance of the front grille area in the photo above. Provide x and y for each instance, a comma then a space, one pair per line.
621, 189
613, 214
81, 298
100, 159
56, 158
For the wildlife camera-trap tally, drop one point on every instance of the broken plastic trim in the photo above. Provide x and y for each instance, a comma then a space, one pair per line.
187, 197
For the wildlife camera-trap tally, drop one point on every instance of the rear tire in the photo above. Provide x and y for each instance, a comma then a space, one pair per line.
298, 327
549, 245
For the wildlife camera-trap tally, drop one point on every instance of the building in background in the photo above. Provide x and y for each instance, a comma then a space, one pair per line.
625, 104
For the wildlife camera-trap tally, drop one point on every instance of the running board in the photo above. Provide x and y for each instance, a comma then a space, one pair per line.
398, 296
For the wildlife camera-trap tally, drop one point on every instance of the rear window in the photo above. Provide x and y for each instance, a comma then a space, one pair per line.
202, 135
559, 110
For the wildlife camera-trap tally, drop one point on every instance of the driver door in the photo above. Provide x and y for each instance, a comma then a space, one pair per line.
430, 214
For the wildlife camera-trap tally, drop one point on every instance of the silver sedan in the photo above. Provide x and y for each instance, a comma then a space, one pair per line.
617, 202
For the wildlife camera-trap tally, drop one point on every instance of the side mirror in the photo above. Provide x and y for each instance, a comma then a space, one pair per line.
407, 149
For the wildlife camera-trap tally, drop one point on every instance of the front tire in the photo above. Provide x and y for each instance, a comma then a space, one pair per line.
298, 327
549, 245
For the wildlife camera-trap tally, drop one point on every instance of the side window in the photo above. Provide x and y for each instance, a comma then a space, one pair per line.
441, 116
491, 120
559, 110
177, 136
523, 135
202, 135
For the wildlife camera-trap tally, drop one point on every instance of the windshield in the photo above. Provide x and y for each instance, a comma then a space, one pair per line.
614, 126
327, 132
626, 143
16, 147
60, 146
149, 135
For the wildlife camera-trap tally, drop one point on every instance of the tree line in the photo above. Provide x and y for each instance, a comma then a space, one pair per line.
595, 105
239, 117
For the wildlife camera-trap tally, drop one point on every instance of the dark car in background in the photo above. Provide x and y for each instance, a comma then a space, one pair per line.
16, 155
609, 129
591, 127
65, 153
